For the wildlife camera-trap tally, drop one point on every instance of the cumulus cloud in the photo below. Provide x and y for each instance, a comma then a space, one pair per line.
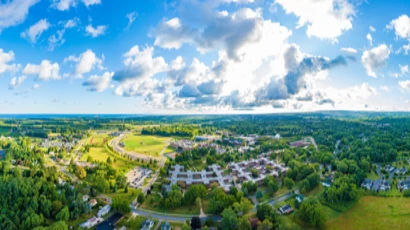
404, 69
214, 30
385, 88
16, 82
401, 27
88, 3
349, 50
370, 39
57, 39
131, 18
34, 32
325, 19
5, 59
35, 86
375, 58
86, 62
14, 12
63, 5
140, 65
95, 31
98, 83
372, 29
405, 85
45, 71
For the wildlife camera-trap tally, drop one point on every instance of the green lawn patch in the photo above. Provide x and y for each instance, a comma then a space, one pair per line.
145, 144
372, 212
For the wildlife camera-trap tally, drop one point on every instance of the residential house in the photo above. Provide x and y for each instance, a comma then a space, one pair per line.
148, 224
300, 198
91, 222
401, 171
403, 185
367, 184
385, 185
286, 209
166, 226
389, 168
93, 202
85, 198
104, 210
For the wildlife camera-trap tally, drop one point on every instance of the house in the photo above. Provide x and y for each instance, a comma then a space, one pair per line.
148, 224
389, 168
166, 226
367, 184
327, 183
401, 171
403, 185
93, 202
104, 210
385, 185
85, 198
286, 209
297, 144
90, 222
121, 144
300, 198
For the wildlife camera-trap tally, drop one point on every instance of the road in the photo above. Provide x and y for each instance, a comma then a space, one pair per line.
313, 142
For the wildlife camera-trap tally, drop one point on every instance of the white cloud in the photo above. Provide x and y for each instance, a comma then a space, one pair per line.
57, 39
35, 86
63, 5
404, 69
385, 88
16, 82
405, 85
370, 39
375, 58
325, 19
98, 83
401, 26
140, 65
349, 50
131, 18
95, 31
45, 71
86, 62
5, 59
14, 12
34, 32
88, 3
372, 29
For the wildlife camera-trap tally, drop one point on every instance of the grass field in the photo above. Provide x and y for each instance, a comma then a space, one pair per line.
145, 144
152, 202
101, 154
372, 212
97, 138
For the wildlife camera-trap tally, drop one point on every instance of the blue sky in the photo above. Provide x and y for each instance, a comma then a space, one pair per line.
192, 56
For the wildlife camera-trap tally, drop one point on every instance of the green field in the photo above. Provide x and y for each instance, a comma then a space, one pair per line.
97, 138
372, 212
145, 144
101, 154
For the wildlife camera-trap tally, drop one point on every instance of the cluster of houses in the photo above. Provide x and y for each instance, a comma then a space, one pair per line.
95, 219
59, 143
262, 164
148, 224
403, 184
206, 177
376, 185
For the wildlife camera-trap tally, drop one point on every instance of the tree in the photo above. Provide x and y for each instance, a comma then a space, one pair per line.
265, 211
259, 194
121, 204
273, 186
265, 225
244, 224
126, 189
185, 227
195, 223
80, 172
289, 183
229, 219
63, 215
141, 198
311, 212
198, 202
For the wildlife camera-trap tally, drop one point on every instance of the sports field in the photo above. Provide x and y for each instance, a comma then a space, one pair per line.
145, 144
372, 212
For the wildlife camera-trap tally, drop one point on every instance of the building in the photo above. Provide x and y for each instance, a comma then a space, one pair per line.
166, 226
385, 185
300, 198
85, 198
148, 224
286, 209
401, 171
93, 202
298, 144
104, 210
389, 168
91, 222
367, 184
403, 185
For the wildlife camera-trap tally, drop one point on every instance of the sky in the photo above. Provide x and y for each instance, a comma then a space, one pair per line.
203, 57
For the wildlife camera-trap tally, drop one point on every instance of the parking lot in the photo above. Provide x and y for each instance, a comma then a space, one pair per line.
137, 176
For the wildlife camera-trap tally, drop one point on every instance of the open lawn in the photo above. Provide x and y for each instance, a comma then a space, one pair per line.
130, 196
97, 139
145, 144
101, 154
152, 202
372, 212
